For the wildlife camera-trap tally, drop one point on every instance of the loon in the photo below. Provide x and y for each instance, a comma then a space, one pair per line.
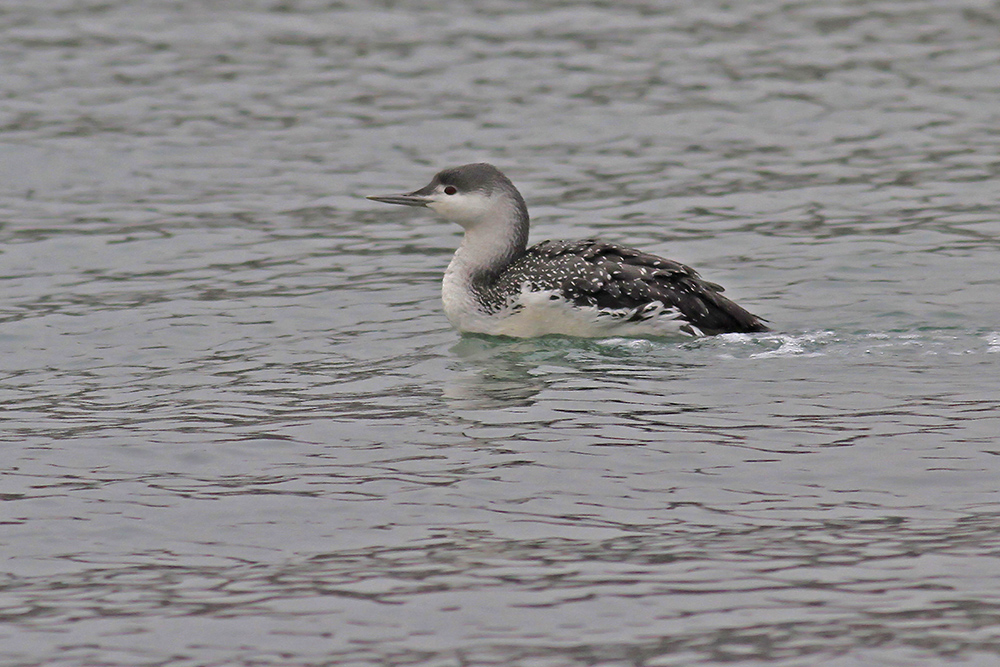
497, 285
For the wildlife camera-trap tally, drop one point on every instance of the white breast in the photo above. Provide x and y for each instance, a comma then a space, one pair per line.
460, 302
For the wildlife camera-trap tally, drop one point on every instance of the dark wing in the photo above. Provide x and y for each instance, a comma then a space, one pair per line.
618, 278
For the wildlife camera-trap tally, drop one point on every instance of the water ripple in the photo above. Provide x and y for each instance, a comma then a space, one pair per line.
239, 430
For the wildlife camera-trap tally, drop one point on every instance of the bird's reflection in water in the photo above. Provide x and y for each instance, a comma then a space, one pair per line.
498, 373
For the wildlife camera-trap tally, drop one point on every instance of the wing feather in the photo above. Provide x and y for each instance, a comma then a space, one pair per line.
628, 283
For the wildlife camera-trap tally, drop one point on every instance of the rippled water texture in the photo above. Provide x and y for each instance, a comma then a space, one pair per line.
239, 431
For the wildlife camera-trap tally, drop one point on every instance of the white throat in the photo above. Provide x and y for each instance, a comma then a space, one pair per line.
491, 241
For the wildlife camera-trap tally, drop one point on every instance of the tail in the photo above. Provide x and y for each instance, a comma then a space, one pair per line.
720, 315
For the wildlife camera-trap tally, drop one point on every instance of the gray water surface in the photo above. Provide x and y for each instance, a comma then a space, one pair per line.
238, 429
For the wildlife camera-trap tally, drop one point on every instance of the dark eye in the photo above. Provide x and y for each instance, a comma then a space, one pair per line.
450, 190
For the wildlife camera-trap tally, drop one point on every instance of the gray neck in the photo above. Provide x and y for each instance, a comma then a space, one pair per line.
490, 245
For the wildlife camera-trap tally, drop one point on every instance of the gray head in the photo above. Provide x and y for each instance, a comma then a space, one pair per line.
470, 195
